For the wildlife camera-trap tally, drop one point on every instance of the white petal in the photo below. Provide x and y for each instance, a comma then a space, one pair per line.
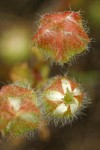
77, 91
74, 107
67, 33
70, 18
15, 102
66, 85
27, 116
47, 31
61, 109
54, 96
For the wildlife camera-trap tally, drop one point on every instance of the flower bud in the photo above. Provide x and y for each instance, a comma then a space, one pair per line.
61, 36
62, 100
18, 110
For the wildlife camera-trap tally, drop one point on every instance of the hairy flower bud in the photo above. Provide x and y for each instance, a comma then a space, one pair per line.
62, 99
61, 36
18, 110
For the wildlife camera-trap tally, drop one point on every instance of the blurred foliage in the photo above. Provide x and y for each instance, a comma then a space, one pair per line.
22, 73
14, 46
94, 13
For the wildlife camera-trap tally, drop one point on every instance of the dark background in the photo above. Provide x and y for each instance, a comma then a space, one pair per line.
18, 15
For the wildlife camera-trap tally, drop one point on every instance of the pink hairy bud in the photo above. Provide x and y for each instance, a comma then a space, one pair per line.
61, 36
18, 110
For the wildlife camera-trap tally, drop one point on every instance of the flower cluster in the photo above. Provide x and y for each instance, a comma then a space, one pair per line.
60, 37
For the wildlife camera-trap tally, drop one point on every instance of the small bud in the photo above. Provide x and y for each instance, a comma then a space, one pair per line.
18, 110
61, 36
62, 100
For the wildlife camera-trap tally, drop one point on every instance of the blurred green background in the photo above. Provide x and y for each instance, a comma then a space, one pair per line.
18, 22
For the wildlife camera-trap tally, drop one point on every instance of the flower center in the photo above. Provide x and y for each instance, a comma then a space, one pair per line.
68, 98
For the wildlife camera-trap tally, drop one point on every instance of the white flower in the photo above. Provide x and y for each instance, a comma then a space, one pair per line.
68, 99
